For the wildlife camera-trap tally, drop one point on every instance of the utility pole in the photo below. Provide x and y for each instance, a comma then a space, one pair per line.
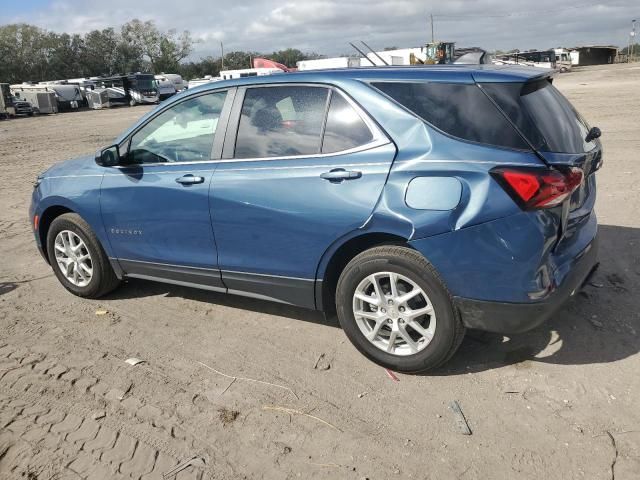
632, 39
433, 40
222, 56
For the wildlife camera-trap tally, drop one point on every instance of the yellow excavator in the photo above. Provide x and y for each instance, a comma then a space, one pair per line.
440, 53
437, 53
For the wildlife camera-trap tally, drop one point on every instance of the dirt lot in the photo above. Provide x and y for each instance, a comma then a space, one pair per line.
560, 402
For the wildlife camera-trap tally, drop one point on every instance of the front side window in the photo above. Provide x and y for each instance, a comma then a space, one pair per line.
345, 128
461, 110
183, 133
281, 121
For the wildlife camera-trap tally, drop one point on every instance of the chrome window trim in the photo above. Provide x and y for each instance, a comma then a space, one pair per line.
367, 146
315, 165
230, 95
379, 138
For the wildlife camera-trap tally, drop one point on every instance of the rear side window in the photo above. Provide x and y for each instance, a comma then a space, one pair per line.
345, 128
281, 121
461, 110
544, 115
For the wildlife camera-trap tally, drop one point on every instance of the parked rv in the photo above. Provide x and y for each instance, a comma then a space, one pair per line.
166, 88
69, 96
563, 59
132, 89
42, 97
541, 59
176, 79
98, 98
85, 85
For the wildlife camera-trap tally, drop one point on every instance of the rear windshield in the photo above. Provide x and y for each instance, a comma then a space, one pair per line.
543, 115
461, 110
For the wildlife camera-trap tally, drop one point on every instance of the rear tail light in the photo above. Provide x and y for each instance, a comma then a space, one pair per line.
534, 188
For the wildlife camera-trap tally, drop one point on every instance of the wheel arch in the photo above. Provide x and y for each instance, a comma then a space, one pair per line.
339, 255
46, 218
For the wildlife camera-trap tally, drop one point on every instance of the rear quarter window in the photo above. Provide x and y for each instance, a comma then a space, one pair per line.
460, 110
543, 115
345, 128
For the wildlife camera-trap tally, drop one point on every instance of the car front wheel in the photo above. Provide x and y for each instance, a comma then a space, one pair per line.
395, 309
77, 258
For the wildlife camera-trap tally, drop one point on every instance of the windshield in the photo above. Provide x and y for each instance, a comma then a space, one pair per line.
543, 115
146, 83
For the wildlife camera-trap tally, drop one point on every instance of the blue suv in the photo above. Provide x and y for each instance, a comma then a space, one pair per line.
414, 202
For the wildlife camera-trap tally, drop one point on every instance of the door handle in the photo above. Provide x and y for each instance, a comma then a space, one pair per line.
337, 175
189, 179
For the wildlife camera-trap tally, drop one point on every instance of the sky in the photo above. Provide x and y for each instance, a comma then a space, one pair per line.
328, 26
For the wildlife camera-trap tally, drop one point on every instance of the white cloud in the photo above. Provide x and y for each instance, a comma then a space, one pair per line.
327, 26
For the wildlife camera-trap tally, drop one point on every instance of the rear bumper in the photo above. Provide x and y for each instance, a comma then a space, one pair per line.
510, 318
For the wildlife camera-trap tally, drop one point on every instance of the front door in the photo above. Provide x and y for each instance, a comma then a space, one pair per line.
155, 206
306, 167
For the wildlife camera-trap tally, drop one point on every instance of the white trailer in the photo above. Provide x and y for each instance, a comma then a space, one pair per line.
69, 96
177, 80
166, 87
563, 59
196, 82
41, 97
248, 72
330, 63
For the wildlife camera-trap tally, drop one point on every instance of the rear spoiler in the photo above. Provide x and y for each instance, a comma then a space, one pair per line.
518, 75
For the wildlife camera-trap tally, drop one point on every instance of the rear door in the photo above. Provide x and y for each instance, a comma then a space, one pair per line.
304, 167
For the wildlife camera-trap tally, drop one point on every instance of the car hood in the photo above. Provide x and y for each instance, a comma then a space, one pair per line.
81, 166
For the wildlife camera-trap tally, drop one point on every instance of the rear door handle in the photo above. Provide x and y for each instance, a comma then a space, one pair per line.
337, 175
189, 179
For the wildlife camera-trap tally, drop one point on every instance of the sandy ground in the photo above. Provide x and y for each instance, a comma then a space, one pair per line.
560, 402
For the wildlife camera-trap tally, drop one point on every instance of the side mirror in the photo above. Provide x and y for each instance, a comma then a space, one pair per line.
593, 134
109, 156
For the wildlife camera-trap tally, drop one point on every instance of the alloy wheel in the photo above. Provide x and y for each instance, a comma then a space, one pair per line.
394, 313
73, 258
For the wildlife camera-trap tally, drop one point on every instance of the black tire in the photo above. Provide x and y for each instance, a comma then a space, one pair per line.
449, 330
104, 279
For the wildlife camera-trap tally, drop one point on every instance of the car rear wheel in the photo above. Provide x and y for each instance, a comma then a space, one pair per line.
77, 258
396, 311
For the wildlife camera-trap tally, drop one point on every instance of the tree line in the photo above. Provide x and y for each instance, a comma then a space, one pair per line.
30, 53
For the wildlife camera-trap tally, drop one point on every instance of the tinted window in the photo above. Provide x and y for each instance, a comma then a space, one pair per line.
507, 96
345, 128
281, 121
544, 115
183, 133
460, 110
